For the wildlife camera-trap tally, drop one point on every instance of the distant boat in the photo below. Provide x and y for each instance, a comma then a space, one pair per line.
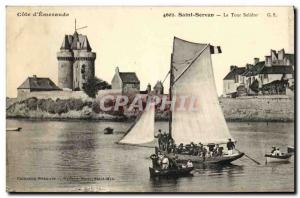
284, 157
108, 131
14, 129
171, 172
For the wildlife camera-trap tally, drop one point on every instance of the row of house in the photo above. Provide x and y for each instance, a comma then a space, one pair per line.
274, 75
125, 82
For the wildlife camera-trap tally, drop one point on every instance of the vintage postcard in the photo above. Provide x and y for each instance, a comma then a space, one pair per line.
150, 99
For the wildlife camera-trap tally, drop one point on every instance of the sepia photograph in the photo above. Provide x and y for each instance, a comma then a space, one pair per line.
162, 99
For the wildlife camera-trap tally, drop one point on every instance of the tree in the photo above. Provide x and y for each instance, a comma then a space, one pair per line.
92, 86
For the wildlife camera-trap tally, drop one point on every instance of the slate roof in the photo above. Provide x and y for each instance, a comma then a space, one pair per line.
254, 69
278, 69
38, 84
236, 71
129, 77
76, 41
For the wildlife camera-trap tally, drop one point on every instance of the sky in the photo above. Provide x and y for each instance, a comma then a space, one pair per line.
139, 39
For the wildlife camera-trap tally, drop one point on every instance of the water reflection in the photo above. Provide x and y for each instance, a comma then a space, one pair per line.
76, 157
80, 149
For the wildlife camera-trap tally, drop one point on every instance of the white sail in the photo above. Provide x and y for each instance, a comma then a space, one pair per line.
193, 77
143, 129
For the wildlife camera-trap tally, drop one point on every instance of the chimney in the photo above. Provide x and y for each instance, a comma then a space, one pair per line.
232, 67
256, 60
34, 76
268, 61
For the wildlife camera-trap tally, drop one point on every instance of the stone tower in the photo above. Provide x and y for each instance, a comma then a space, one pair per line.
65, 65
76, 62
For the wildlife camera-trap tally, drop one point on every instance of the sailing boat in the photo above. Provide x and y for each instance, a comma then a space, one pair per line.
191, 74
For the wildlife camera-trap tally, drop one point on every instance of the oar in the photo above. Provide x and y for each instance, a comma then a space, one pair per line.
249, 157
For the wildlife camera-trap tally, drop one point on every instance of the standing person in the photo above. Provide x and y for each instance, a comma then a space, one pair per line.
164, 141
159, 137
230, 146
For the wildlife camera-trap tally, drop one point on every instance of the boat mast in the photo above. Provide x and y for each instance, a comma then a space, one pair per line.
170, 96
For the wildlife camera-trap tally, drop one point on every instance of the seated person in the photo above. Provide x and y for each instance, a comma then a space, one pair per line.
165, 163
189, 164
180, 148
215, 151
277, 152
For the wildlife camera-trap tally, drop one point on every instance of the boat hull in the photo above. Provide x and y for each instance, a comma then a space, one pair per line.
283, 158
225, 159
14, 129
170, 172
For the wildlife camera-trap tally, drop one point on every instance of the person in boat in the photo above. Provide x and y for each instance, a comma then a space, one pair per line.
165, 162
189, 164
160, 158
277, 152
273, 149
180, 148
191, 148
159, 138
170, 145
200, 149
173, 149
155, 162
204, 153
173, 162
216, 150
230, 146
220, 151
211, 148
164, 141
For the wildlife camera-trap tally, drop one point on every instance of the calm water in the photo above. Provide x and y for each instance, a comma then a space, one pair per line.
77, 156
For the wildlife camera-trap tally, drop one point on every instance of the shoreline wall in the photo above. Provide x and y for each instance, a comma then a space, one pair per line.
258, 108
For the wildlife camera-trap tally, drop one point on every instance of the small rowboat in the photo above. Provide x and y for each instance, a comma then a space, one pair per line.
108, 130
284, 157
14, 129
171, 172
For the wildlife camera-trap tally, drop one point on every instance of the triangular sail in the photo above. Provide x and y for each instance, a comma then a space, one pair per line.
143, 129
193, 77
